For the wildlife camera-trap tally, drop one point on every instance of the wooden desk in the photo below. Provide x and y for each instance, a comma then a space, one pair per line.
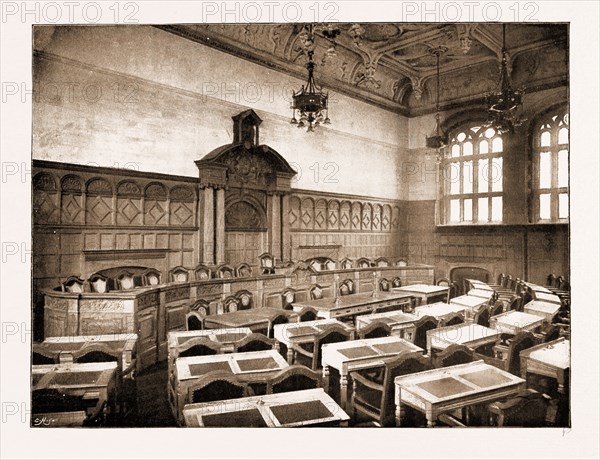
481, 293
552, 359
355, 354
225, 337
546, 310
356, 304
303, 332
440, 311
250, 367
470, 334
85, 380
477, 284
425, 293
256, 318
512, 322
291, 409
538, 288
402, 324
546, 297
447, 389
65, 347
470, 303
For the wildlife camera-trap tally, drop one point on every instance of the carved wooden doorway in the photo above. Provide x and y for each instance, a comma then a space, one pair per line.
244, 247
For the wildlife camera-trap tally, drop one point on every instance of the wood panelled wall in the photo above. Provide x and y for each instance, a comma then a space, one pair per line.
340, 226
525, 251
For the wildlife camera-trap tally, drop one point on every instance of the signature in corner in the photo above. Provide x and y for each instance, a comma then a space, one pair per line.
43, 421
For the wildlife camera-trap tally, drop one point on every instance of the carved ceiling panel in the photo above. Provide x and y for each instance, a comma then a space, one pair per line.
391, 65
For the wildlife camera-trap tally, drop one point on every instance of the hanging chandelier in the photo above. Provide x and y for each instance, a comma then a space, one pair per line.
504, 104
438, 139
310, 102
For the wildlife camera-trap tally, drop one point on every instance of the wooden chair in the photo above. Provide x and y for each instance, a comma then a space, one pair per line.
422, 325
201, 306
194, 321
72, 284
231, 304
316, 292
497, 308
550, 280
150, 277
375, 329
124, 280
454, 355
507, 356
98, 283
549, 333
401, 263
97, 353
384, 285
364, 262
452, 287
310, 353
280, 318
294, 378
482, 316
245, 299
198, 346
396, 282
288, 296
382, 262
307, 314
243, 270
38, 357
373, 387
217, 386
343, 289
346, 263
179, 275
526, 409
202, 273
267, 263
254, 342
516, 304
225, 271
453, 320
348, 282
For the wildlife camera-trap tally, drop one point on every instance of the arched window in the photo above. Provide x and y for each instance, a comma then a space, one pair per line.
472, 176
551, 168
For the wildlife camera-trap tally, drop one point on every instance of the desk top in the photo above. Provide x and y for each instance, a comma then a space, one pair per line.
305, 330
482, 293
253, 362
454, 382
72, 375
244, 318
352, 300
478, 284
540, 306
547, 297
124, 342
294, 408
366, 351
391, 318
422, 289
556, 353
225, 335
469, 301
438, 310
515, 320
538, 288
461, 334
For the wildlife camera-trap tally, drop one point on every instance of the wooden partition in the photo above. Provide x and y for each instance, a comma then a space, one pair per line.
151, 312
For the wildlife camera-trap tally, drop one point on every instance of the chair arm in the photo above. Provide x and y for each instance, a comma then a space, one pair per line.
499, 363
358, 377
298, 349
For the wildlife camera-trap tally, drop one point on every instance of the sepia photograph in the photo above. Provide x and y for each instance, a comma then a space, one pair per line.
283, 215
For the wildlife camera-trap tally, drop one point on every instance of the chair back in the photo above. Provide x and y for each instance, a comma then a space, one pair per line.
526, 409
363, 262
267, 263
500, 279
375, 329
396, 282
382, 262
294, 378
307, 314
243, 270
124, 280
179, 275
150, 277
344, 290
194, 321
280, 318
40, 358
287, 298
454, 320
384, 285
516, 303
423, 325
98, 283
331, 334
522, 341
482, 315
551, 332
231, 304
244, 299
225, 271
72, 284
254, 342
497, 308
348, 282
216, 386
316, 292
345, 263
454, 355
202, 273
401, 263
198, 346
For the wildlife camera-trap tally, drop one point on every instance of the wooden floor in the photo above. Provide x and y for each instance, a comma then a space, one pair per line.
152, 404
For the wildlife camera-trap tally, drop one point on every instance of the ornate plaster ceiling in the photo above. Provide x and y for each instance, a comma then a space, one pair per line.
393, 67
